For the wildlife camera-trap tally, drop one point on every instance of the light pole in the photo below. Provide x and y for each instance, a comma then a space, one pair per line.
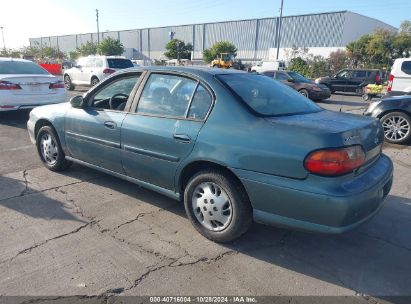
279, 29
2, 35
98, 30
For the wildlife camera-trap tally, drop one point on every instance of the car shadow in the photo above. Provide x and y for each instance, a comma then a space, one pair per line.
16, 119
372, 259
16, 195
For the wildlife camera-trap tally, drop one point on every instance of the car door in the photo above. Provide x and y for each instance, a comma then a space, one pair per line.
169, 112
357, 78
93, 132
339, 82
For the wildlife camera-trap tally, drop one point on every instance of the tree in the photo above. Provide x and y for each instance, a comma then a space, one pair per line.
337, 60
177, 49
301, 66
111, 47
357, 51
318, 66
89, 48
73, 55
380, 48
405, 27
218, 48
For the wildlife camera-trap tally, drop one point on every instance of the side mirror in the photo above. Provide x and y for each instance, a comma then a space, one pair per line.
77, 102
290, 80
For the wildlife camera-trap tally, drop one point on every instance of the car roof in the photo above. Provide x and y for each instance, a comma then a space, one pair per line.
14, 59
200, 71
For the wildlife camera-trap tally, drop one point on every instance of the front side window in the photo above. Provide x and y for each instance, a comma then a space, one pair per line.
266, 96
115, 94
343, 74
298, 77
166, 95
21, 67
281, 76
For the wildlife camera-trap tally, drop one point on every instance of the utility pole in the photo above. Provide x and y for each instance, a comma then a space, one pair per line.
4, 44
279, 29
98, 30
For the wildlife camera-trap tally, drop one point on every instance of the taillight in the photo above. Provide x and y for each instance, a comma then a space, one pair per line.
5, 85
108, 71
57, 85
390, 82
335, 162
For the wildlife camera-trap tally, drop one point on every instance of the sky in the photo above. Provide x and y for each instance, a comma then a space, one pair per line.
26, 19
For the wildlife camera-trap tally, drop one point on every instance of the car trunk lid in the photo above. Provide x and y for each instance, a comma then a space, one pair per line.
31, 84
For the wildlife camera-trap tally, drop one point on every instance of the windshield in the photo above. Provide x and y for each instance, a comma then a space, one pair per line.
298, 77
268, 97
21, 67
119, 63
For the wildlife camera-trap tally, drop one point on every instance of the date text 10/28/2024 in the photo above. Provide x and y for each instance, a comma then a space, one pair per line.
203, 299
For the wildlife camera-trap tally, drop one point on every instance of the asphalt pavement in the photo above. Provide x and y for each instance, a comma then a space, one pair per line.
81, 232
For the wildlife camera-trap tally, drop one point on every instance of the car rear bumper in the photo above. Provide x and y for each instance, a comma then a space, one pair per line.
22, 102
340, 205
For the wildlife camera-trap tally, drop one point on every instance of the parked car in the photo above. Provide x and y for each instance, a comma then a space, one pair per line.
395, 116
351, 80
267, 65
234, 146
91, 70
298, 82
25, 85
399, 82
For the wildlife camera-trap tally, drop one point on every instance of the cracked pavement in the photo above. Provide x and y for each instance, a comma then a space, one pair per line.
82, 232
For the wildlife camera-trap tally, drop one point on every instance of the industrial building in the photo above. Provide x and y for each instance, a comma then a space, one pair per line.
322, 33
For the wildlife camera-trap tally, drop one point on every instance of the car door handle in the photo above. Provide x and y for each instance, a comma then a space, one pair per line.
182, 137
110, 124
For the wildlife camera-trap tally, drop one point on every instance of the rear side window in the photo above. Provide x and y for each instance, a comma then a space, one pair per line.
200, 104
21, 67
281, 76
406, 67
266, 96
359, 74
119, 63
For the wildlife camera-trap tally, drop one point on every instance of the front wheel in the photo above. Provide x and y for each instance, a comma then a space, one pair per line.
217, 206
397, 127
50, 151
303, 92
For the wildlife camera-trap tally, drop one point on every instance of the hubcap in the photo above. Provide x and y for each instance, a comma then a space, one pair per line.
212, 206
48, 149
67, 82
396, 128
304, 93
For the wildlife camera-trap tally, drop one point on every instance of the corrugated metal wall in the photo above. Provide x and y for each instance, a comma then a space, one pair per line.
253, 38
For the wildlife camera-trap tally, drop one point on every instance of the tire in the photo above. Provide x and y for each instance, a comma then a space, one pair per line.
304, 92
366, 97
94, 81
50, 151
67, 82
227, 205
397, 127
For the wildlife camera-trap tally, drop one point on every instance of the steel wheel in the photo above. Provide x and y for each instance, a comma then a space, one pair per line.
396, 128
49, 149
212, 206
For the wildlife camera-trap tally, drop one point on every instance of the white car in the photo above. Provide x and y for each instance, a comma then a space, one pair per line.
88, 71
265, 66
399, 82
25, 85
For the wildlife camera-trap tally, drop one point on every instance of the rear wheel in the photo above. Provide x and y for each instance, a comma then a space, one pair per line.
67, 82
397, 127
50, 151
217, 206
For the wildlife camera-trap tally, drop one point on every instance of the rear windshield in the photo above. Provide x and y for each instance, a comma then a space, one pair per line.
268, 97
21, 67
119, 63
